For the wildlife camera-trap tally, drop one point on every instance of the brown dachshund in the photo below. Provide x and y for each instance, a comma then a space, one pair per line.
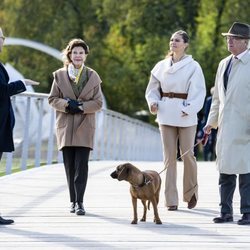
145, 186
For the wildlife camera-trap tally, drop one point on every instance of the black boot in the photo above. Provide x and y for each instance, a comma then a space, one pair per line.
5, 222
223, 218
80, 209
72, 207
245, 220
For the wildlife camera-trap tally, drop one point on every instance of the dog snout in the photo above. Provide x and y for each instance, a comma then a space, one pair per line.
114, 175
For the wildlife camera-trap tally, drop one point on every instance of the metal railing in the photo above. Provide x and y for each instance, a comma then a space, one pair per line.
118, 137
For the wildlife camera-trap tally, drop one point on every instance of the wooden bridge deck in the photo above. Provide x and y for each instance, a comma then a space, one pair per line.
37, 200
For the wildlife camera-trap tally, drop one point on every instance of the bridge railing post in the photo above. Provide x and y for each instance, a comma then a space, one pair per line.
118, 137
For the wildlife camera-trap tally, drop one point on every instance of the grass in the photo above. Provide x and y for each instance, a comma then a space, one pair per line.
16, 166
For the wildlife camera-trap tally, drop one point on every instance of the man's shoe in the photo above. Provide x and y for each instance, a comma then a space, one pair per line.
80, 209
172, 208
5, 222
223, 218
245, 220
192, 203
72, 207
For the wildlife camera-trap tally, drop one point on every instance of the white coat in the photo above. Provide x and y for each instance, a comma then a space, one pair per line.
185, 76
230, 112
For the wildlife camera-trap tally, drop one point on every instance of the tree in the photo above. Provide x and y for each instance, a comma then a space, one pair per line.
214, 18
48, 26
126, 38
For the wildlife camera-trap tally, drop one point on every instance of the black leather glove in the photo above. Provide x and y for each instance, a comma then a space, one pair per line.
73, 106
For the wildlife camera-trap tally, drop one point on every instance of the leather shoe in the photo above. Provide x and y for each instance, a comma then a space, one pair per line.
172, 208
224, 217
72, 207
5, 222
245, 220
80, 209
192, 203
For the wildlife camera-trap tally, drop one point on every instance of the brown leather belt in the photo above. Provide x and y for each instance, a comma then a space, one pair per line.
175, 95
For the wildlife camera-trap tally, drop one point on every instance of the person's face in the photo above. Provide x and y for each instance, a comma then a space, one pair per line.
236, 45
78, 56
177, 44
1, 43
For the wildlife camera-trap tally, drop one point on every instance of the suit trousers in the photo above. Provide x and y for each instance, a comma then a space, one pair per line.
186, 136
227, 183
76, 167
1, 154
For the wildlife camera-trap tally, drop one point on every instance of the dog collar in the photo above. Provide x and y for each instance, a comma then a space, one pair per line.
145, 181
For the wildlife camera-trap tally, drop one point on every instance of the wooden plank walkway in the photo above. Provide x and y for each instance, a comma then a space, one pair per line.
37, 200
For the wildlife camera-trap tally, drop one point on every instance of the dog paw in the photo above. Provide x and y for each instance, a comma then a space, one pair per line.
158, 222
134, 222
143, 219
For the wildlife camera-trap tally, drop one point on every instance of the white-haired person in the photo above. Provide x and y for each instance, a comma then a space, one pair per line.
230, 113
7, 118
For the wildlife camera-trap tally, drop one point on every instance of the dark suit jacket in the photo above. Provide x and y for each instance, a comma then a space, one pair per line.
7, 119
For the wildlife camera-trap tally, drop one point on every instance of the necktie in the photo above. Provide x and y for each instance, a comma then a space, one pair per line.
228, 70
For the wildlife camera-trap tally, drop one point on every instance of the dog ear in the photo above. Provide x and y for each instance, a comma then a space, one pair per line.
123, 172
127, 170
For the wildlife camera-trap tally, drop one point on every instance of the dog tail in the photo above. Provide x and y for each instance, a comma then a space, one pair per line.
148, 205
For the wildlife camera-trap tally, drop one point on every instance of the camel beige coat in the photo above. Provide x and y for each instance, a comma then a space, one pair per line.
230, 112
78, 129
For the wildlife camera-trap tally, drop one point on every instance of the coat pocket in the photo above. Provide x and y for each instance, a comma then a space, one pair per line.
61, 119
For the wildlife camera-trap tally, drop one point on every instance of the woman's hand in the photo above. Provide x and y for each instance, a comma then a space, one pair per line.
154, 108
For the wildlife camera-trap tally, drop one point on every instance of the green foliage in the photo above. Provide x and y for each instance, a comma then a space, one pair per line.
126, 38
214, 18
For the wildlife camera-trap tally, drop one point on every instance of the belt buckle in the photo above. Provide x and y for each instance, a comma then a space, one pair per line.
171, 95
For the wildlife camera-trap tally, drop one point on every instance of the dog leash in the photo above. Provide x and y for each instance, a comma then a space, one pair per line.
203, 141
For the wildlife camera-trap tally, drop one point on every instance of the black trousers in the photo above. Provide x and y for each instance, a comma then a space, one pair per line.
1, 154
76, 167
227, 187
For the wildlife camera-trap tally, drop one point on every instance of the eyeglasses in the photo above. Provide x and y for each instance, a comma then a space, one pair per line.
233, 38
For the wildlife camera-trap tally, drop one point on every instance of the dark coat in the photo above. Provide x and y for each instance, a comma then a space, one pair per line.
7, 119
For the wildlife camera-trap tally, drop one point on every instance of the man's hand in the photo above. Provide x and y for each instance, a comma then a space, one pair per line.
207, 129
31, 82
